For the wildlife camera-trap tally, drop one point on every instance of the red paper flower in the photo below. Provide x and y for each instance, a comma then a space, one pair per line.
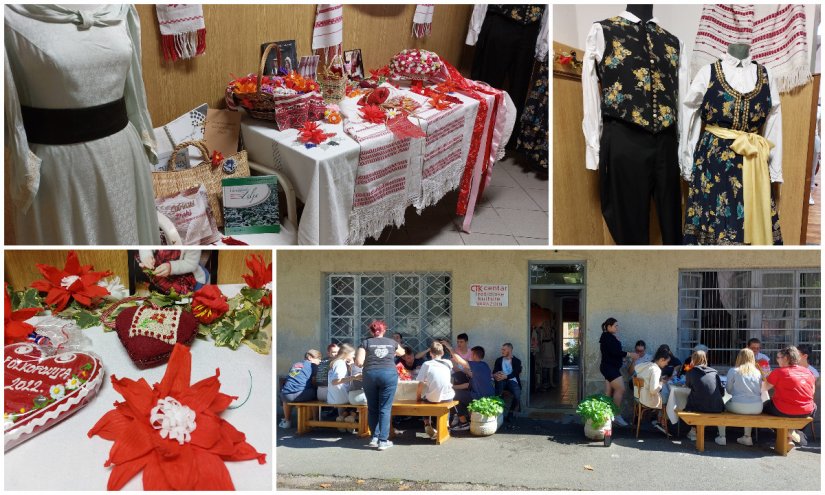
172, 431
373, 114
417, 87
261, 272
72, 282
439, 102
217, 158
208, 304
378, 96
312, 133
15, 327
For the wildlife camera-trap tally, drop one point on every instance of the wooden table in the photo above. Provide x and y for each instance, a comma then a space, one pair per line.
441, 410
309, 417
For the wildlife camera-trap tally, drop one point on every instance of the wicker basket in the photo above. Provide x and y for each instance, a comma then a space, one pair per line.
173, 181
333, 87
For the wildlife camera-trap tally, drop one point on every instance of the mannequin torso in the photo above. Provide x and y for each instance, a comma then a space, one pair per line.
642, 11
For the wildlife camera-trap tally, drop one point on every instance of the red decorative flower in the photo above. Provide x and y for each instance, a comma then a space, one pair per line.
564, 60
72, 282
172, 431
312, 133
439, 102
208, 304
373, 114
378, 96
217, 158
15, 327
261, 272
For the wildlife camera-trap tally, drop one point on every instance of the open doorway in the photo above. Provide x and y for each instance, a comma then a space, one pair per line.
556, 320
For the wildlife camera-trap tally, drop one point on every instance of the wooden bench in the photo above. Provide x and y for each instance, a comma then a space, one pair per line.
309, 414
778, 423
441, 410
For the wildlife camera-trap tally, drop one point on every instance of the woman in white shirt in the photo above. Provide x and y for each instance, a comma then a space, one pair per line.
339, 379
745, 387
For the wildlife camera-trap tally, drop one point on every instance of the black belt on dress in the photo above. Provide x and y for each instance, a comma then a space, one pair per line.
74, 125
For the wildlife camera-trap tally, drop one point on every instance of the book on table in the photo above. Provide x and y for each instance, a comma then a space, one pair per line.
250, 205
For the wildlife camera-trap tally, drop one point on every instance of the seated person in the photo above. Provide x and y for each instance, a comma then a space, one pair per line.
745, 387
434, 382
339, 379
669, 370
408, 364
480, 385
322, 372
651, 373
299, 385
706, 391
425, 355
804, 353
506, 373
793, 386
763, 362
639, 356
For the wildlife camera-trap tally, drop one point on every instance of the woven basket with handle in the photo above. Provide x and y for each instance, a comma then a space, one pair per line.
173, 181
333, 86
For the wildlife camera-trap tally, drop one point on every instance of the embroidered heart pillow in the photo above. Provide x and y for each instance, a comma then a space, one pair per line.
41, 391
149, 334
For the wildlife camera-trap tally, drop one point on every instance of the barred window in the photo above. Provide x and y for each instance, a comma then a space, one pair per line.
417, 305
724, 309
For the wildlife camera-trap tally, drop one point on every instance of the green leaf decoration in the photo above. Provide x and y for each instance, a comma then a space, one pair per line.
261, 341
253, 295
84, 319
28, 298
204, 330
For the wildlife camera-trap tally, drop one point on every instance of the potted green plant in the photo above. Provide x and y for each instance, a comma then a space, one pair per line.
597, 411
484, 415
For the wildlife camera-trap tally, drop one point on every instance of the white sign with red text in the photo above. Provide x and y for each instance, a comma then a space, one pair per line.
489, 295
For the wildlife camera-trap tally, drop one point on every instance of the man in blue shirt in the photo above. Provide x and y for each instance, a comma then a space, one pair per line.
299, 385
480, 384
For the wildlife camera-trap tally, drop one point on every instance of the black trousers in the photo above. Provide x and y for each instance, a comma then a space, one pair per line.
505, 51
635, 165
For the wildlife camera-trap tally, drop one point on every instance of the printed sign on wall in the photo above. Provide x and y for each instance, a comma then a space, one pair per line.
488, 295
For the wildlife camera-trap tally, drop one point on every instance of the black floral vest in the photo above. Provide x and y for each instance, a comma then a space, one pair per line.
639, 73
522, 14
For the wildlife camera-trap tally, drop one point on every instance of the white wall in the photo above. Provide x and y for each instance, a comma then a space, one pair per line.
571, 23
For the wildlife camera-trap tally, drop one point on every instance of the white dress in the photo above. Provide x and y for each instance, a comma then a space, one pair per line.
96, 192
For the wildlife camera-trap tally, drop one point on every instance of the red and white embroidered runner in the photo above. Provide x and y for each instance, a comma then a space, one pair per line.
423, 20
778, 41
328, 32
182, 30
386, 181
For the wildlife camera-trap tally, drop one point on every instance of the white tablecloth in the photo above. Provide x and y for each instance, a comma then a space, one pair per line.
324, 179
65, 458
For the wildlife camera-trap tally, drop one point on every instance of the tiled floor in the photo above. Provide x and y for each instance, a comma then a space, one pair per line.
512, 212
564, 395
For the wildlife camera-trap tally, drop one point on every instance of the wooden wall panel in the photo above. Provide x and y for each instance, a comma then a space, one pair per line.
20, 270
235, 32
577, 218
231, 264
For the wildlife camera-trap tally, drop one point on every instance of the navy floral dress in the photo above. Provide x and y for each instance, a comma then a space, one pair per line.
533, 135
715, 208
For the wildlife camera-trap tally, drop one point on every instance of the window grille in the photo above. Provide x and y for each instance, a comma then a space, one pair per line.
724, 309
417, 305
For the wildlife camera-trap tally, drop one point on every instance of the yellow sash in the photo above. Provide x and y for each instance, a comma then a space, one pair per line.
756, 181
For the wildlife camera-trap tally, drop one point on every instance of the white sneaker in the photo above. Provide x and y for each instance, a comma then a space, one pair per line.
692, 435
620, 421
431, 432
285, 423
794, 436
721, 441
746, 440
374, 442
384, 445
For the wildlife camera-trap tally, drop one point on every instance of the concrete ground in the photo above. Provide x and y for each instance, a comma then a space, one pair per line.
541, 454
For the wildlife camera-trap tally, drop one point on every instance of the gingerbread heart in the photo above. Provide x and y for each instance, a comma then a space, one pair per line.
149, 333
41, 391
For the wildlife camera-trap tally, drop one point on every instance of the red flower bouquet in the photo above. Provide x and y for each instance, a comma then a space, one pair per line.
73, 282
209, 304
172, 431
15, 328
